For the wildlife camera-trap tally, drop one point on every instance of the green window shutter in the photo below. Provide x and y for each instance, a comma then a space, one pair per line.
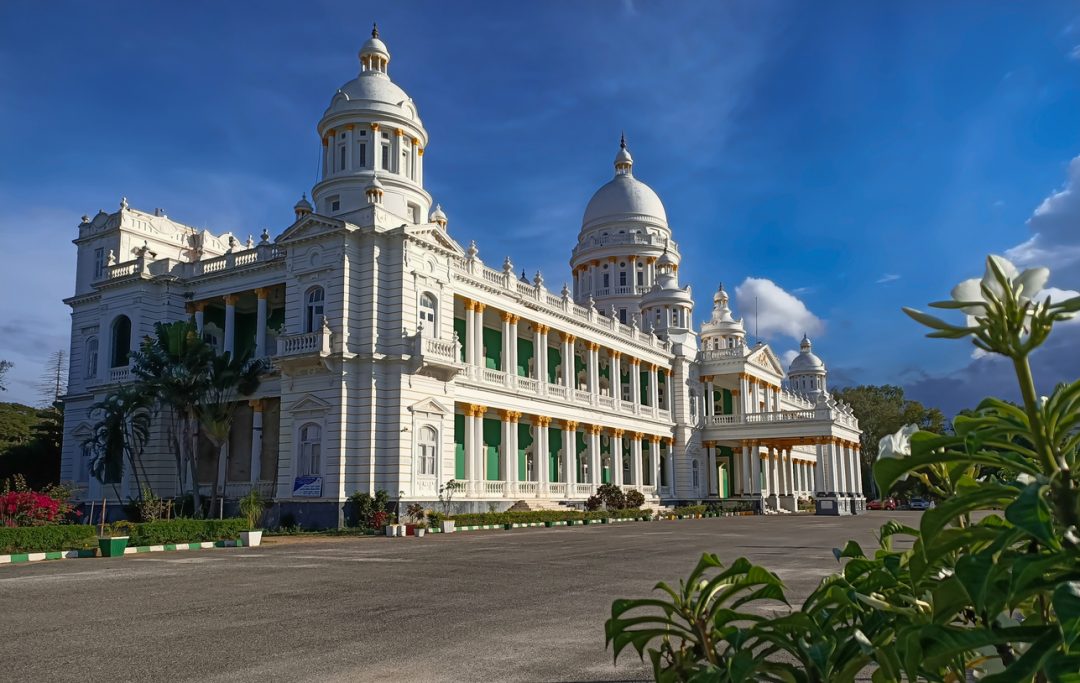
459, 327
492, 349
554, 444
554, 361
525, 354
727, 402
492, 442
459, 446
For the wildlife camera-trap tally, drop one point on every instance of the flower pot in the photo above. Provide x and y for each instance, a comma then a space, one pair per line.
508, 526
393, 530
113, 546
419, 532
447, 526
251, 539
605, 520
409, 529
549, 524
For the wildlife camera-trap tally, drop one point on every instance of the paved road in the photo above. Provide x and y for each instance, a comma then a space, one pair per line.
524, 605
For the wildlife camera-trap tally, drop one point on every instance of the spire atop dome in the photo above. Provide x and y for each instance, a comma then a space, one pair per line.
805, 345
624, 163
373, 54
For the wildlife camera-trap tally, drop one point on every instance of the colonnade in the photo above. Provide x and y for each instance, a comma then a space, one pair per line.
579, 471
262, 294
570, 347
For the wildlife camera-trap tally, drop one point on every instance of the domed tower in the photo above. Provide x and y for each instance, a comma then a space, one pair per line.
722, 331
623, 234
806, 374
666, 307
372, 127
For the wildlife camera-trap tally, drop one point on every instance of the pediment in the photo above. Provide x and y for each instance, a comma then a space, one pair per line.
309, 403
435, 236
765, 359
312, 225
429, 405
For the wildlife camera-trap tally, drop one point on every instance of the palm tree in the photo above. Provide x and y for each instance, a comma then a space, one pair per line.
197, 387
119, 435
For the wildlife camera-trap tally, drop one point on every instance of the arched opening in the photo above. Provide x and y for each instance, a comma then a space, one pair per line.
427, 449
313, 309
121, 341
427, 314
91, 358
309, 458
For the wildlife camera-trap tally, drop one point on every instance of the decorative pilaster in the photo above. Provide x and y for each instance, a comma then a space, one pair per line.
569, 437
617, 456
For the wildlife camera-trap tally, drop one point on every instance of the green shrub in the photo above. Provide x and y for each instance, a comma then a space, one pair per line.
537, 516
690, 510
36, 539
251, 507
186, 531
634, 499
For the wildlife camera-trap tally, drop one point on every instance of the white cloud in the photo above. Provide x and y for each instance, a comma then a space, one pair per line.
1055, 240
1074, 54
887, 277
777, 311
788, 356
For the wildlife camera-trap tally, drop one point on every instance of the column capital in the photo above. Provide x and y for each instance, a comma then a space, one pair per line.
708, 444
330, 132
256, 404
476, 410
541, 420
570, 425
734, 392
612, 259
653, 367
542, 329
632, 361
398, 133
479, 306
262, 292
595, 429
614, 354
649, 260
706, 379
617, 433
349, 126
593, 346
375, 127
655, 438
514, 319
566, 337
510, 415
230, 299
665, 371
632, 258
670, 440
637, 436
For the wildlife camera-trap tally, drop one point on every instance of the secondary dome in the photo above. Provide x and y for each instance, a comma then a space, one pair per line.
806, 361
373, 89
624, 197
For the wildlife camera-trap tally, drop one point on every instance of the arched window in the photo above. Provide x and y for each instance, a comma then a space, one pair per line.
427, 450
91, 358
695, 477
313, 310
310, 455
121, 341
428, 307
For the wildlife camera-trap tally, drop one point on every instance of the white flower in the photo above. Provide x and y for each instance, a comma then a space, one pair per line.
1026, 285
897, 445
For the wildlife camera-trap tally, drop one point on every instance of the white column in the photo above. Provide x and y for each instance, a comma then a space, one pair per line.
479, 334
541, 350
669, 465
747, 471
654, 388
513, 344
255, 469
480, 467
200, 316
470, 448
819, 469
710, 407
755, 471
506, 454
635, 459
858, 472
616, 377
260, 323
668, 390
654, 463
616, 457
569, 437
635, 383
512, 475
470, 332
230, 323
543, 452
568, 362
596, 469
594, 368
842, 482
506, 354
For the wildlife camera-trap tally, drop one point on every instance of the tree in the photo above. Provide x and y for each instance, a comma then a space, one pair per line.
5, 365
54, 380
883, 410
196, 388
119, 435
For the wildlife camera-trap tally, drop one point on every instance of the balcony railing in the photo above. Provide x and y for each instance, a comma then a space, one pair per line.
304, 343
121, 374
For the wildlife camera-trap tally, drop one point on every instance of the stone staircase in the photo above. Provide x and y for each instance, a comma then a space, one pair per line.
538, 504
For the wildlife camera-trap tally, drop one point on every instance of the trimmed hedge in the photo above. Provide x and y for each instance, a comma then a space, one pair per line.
531, 516
689, 510
36, 539
181, 530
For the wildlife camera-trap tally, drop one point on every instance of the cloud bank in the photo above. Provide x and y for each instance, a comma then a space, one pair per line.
778, 311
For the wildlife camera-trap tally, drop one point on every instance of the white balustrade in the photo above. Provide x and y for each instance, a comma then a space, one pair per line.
528, 487
303, 343
528, 384
556, 390
606, 401
494, 488
121, 374
492, 376
583, 489
582, 396
557, 488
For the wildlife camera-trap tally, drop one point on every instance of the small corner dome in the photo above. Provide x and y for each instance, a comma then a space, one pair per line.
666, 260
303, 204
807, 361
374, 46
374, 184
437, 215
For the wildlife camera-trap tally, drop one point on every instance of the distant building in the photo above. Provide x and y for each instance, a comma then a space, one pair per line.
401, 360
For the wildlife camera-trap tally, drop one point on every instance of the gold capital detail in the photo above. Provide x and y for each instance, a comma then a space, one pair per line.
570, 425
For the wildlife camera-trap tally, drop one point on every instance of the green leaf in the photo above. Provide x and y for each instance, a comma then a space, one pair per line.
1062, 668
1030, 663
1066, 601
984, 496
1031, 513
928, 320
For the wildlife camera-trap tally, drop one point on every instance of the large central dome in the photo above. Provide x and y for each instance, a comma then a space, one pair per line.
624, 198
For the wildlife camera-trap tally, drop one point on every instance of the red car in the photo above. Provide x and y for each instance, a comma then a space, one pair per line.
876, 504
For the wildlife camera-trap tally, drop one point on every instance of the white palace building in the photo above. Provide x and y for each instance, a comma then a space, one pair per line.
400, 360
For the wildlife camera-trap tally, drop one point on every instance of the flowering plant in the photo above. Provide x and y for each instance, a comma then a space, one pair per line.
990, 585
31, 508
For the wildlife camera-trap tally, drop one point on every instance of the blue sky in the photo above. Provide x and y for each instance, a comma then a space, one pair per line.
860, 156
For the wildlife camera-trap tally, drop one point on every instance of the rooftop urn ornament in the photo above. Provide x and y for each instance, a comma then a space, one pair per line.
123, 203
591, 302
565, 292
472, 251
538, 280
232, 242
111, 259
508, 266
250, 242
264, 238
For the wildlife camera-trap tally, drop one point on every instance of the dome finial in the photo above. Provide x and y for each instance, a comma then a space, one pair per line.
374, 30
623, 161
622, 140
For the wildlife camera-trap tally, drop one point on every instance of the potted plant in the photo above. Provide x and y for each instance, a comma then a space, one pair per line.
446, 496
113, 539
251, 507
420, 528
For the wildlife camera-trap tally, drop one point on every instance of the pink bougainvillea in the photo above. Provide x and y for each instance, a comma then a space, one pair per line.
31, 508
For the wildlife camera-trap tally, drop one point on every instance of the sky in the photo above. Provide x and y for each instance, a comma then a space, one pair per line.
833, 161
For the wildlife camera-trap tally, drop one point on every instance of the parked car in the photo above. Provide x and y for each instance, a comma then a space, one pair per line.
919, 504
877, 504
